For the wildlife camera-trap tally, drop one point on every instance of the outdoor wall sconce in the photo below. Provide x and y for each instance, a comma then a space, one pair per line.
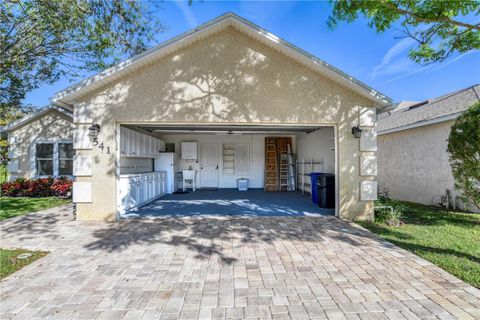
357, 132
93, 132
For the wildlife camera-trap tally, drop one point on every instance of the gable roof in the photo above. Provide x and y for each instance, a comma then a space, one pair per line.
70, 95
443, 108
34, 116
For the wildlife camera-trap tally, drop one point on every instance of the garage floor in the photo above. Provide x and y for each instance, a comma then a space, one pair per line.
232, 202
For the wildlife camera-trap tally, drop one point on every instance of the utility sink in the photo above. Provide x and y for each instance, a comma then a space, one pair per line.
189, 177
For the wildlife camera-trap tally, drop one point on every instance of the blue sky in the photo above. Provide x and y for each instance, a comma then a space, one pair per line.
379, 60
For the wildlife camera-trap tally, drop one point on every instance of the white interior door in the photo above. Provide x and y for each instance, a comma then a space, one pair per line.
209, 165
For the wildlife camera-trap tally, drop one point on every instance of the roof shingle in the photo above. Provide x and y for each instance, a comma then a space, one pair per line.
447, 105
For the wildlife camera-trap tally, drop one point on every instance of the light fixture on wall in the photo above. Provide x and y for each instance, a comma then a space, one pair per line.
357, 132
93, 132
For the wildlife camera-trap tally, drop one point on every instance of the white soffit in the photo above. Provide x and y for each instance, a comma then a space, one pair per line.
70, 95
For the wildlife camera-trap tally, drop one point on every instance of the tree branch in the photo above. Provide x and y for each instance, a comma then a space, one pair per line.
432, 20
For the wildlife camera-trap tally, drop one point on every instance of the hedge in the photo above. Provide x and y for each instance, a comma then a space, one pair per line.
35, 188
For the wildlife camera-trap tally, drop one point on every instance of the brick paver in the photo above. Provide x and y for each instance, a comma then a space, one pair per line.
224, 267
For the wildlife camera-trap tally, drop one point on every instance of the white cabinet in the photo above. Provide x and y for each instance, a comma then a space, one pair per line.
136, 144
148, 146
189, 150
132, 194
138, 189
123, 141
161, 146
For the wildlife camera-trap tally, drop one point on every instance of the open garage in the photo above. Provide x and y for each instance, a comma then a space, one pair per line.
231, 170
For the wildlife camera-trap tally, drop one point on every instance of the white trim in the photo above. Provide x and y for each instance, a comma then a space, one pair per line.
117, 168
82, 192
421, 123
13, 166
72, 93
337, 172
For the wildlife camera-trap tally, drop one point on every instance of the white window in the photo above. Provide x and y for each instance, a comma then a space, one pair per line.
65, 159
44, 159
52, 158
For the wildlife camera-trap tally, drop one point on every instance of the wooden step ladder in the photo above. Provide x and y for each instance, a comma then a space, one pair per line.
282, 149
291, 169
278, 164
271, 165
283, 186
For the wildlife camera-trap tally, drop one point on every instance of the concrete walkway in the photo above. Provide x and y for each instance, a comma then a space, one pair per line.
221, 267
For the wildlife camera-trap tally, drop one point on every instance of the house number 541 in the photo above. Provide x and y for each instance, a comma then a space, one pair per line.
102, 147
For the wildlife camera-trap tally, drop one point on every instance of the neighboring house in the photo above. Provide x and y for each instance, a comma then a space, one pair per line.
41, 144
413, 162
215, 94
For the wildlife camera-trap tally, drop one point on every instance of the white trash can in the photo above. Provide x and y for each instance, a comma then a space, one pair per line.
242, 184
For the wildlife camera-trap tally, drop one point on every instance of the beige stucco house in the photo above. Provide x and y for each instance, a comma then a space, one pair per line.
52, 130
413, 163
211, 97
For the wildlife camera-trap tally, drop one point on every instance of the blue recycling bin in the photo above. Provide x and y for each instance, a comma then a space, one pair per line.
313, 185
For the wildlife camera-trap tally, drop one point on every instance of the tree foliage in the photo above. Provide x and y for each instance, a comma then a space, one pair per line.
440, 28
43, 40
464, 149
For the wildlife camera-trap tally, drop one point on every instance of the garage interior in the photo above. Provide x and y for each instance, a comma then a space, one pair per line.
225, 170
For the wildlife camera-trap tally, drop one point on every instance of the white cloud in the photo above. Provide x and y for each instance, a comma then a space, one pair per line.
395, 60
428, 68
187, 13
420, 69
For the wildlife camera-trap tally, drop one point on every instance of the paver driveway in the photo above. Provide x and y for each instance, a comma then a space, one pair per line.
231, 267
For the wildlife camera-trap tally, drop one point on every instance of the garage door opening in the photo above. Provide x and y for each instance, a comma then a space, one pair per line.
226, 170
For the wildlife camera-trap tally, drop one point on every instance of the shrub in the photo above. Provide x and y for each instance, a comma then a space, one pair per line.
62, 186
35, 188
390, 216
464, 150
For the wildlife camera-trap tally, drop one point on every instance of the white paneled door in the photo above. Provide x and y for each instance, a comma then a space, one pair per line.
209, 165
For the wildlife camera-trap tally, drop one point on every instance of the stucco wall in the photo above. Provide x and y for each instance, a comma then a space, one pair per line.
318, 146
53, 126
413, 164
227, 78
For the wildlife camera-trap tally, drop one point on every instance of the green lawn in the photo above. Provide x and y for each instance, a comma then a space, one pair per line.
11, 207
450, 240
9, 261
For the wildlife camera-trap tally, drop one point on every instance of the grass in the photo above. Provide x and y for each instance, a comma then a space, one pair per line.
12, 207
448, 239
9, 261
